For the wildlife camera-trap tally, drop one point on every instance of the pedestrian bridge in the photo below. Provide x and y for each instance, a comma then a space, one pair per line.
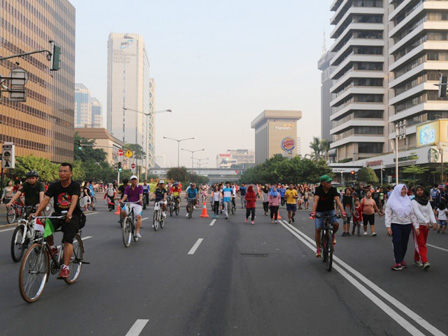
214, 174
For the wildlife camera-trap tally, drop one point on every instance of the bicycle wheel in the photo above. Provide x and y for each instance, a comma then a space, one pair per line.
176, 209
329, 252
324, 241
155, 220
17, 248
232, 209
127, 231
11, 215
162, 221
75, 264
33, 273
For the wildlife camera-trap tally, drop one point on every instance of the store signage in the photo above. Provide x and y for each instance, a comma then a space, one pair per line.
288, 144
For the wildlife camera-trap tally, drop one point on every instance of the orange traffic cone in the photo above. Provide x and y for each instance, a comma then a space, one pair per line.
118, 210
204, 211
278, 215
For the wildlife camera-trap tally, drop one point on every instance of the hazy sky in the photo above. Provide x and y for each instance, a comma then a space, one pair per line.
217, 64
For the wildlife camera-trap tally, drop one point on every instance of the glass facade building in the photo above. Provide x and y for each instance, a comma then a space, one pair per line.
44, 124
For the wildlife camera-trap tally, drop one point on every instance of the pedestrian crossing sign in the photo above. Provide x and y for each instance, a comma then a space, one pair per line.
129, 153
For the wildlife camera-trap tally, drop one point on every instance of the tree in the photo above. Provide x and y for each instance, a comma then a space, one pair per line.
83, 150
367, 174
136, 149
414, 171
325, 148
178, 174
48, 171
315, 145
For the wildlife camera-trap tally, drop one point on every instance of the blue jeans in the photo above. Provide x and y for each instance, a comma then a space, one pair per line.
319, 222
400, 239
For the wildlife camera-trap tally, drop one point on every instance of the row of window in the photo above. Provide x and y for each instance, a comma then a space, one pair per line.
424, 97
427, 76
28, 144
367, 114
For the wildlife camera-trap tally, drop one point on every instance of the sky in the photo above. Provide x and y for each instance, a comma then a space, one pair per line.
217, 65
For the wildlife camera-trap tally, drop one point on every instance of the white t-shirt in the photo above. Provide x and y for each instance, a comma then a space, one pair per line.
441, 214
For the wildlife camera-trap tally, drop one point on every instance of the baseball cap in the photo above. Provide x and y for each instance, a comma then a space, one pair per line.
162, 182
133, 177
325, 178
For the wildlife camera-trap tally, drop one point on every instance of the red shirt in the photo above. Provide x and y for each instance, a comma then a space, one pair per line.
250, 198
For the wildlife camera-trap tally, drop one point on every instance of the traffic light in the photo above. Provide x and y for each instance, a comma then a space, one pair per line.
55, 59
78, 144
442, 86
119, 166
352, 172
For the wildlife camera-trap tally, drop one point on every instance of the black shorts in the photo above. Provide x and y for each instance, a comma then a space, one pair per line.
69, 229
368, 219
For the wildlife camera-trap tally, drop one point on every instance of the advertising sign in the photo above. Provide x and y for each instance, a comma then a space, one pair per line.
428, 134
288, 144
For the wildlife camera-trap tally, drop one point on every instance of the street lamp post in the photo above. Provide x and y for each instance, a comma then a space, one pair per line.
400, 134
146, 133
192, 154
178, 146
199, 164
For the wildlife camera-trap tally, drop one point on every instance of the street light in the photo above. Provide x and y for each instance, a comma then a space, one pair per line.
400, 134
146, 131
199, 162
178, 144
192, 154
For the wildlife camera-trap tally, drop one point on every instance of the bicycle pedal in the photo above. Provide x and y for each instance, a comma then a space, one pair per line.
85, 262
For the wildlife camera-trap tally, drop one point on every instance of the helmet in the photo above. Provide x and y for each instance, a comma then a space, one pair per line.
32, 173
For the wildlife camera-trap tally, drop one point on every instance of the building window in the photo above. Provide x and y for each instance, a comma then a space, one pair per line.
370, 148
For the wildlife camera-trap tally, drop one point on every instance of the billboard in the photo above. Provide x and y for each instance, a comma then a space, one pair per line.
428, 134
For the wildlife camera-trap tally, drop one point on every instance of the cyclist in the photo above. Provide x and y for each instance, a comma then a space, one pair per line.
291, 197
227, 193
324, 198
146, 189
160, 196
175, 192
33, 189
242, 192
65, 194
192, 195
134, 193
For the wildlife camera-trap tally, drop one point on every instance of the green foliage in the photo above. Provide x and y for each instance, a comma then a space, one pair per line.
279, 169
48, 171
87, 152
178, 174
415, 171
367, 174
136, 149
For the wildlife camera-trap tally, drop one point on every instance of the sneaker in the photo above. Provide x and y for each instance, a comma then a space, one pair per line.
426, 266
163, 215
64, 273
245, 221
252, 222
373, 234
186, 215
404, 265
138, 235
292, 219
418, 263
289, 221
318, 253
397, 267
365, 233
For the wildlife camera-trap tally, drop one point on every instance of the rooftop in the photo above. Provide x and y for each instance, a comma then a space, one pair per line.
276, 114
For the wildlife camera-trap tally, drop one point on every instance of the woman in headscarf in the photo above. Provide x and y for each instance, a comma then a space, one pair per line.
251, 198
400, 217
265, 199
110, 196
425, 217
274, 203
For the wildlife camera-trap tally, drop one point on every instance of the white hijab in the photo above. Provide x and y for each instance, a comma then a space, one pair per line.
401, 205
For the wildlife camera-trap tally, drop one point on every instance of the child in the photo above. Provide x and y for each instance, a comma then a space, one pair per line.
357, 217
441, 216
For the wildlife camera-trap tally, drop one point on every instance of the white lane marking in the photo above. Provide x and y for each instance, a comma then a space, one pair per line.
91, 213
7, 229
213, 222
415, 317
145, 218
85, 238
195, 246
137, 328
436, 247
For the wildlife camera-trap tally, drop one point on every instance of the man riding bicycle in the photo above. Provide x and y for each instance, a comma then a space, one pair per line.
192, 196
325, 197
134, 194
33, 189
65, 194
160, 196
175, 192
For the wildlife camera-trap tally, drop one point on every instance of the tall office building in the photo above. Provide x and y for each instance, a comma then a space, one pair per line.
128, 89
150, 125
43, 125
83, 110
97, 113
326, 83
387, 58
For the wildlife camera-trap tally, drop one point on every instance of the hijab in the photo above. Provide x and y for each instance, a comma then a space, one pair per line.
401, 205
422, 200
250, 190
274, 193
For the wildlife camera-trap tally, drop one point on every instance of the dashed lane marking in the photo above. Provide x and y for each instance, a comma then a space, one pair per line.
7, 229
137, 328
91, 213
195, 246
145, 218
213, 222
436, 247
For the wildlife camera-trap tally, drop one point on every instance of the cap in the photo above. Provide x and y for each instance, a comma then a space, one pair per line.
133, 177
325, 178
162, 182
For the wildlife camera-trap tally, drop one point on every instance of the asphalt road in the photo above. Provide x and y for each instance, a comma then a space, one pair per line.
240, 279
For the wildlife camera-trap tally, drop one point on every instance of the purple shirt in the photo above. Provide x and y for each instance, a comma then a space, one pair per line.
133, 195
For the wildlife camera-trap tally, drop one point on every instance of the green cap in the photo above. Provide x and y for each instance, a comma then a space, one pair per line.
325, 178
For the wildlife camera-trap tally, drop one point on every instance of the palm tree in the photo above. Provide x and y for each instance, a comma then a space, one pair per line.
325, 148
316, 146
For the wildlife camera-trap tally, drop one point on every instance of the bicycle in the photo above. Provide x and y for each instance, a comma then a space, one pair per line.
145, 200
23, 234
39, 261
157, 218
190, 207
128, 225
14, 212
170, 205
326, 241
176, 205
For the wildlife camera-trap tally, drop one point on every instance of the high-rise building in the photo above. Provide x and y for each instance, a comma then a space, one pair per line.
275, 133
150, 126
43, 125
326, 83
387, 58
97, 113
128, 88
83, 109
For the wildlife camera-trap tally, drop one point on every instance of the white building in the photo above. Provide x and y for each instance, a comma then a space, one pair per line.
128, 88
83, 111
97, 113
235, 157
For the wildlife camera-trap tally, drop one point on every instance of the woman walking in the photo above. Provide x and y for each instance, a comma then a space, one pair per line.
348, 204
265, 199
425, 217
400, 217
274, 203
251, 198
369, 207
